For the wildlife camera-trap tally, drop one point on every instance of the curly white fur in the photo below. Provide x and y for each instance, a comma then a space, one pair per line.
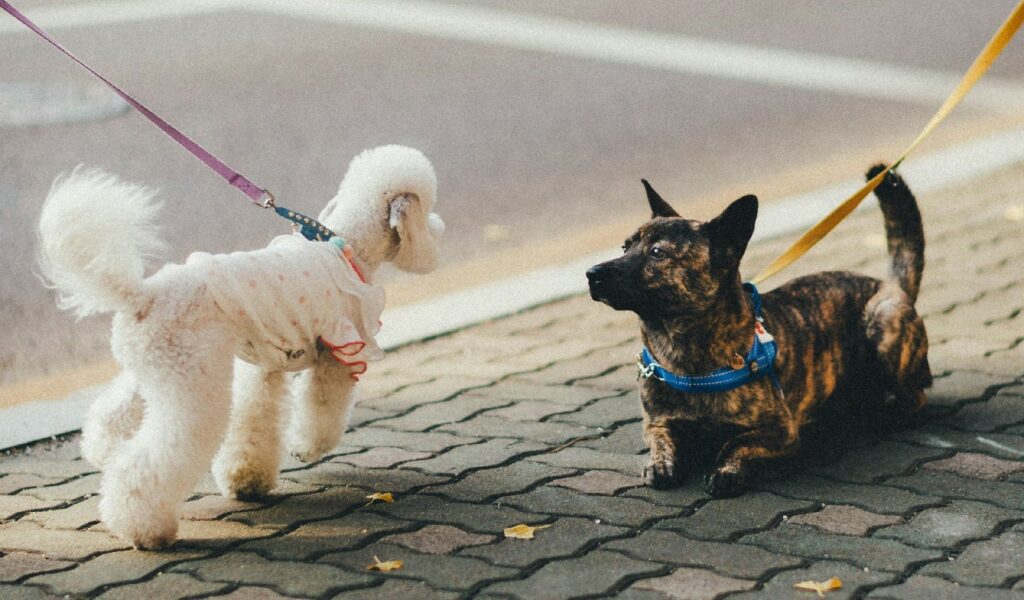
160, 422
95, 234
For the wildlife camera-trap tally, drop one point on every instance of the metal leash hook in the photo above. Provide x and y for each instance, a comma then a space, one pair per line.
267, 200
643, 372
309, 227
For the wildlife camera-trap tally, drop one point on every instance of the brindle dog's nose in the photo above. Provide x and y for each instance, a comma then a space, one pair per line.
594, 274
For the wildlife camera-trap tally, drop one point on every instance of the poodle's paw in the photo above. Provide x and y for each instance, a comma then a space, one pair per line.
246, 484
308, 451
144, 529
248, 490
311, 448
243, 482
154, 538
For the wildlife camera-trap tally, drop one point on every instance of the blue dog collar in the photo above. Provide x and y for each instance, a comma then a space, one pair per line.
759, 362
310, 228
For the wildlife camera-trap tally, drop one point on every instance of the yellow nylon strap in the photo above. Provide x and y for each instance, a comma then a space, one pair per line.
981, 64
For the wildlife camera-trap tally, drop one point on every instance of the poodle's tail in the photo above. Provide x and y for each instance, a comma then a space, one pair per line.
95, 235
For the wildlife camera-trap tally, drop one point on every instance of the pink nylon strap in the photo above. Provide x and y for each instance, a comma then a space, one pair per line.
250, 189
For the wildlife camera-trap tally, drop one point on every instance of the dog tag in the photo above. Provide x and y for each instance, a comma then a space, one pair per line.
762, 334
738, 362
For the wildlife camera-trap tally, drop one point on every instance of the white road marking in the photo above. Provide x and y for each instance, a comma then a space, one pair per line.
669, 52
590, 41
104, 13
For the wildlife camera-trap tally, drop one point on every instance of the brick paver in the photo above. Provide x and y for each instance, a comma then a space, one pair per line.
438, 539
534, 419
847, 520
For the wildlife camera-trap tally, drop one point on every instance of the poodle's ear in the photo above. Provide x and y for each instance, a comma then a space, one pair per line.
399, 208
418, 234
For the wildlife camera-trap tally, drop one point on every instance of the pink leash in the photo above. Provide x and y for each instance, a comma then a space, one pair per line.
309, 227
255, 193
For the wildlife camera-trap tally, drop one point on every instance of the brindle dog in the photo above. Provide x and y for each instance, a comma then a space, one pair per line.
840, 336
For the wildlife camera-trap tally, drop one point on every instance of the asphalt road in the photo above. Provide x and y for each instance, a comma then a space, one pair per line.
539, 139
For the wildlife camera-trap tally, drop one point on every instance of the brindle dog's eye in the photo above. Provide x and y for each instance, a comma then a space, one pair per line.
657, 253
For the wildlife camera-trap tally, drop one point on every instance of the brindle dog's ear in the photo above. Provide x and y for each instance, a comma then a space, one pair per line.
730, 231
659, 208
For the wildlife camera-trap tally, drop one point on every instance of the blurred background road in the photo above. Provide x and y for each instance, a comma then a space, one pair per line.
540, 117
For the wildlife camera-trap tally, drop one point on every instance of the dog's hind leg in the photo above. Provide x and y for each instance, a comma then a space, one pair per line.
323, 398
897, 334
250, 456
113, 419
185, 381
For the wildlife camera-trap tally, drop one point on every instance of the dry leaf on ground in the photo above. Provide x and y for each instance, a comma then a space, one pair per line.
384, 566
523, 531
385, 497
819, 586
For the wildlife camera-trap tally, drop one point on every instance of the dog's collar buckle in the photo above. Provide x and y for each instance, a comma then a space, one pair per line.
643, 371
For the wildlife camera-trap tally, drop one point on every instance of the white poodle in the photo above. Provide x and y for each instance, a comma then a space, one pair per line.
295, 305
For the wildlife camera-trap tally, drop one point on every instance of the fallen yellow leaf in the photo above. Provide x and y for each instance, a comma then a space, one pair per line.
523, 531
384, 497
819, 586
384, 566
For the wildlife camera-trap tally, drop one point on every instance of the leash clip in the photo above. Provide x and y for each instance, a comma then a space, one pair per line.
642, 371
267, 200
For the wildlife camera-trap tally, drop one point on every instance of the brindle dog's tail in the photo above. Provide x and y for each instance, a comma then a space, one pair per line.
903, 230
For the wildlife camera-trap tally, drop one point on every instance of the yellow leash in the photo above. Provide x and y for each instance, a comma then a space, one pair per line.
981, 64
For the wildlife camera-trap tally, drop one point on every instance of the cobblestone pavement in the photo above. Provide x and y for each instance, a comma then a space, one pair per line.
534, 419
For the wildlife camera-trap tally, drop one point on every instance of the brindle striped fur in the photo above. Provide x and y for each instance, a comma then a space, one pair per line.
841, 336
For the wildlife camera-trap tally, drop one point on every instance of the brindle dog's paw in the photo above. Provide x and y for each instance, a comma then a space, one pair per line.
661, 475
725, 482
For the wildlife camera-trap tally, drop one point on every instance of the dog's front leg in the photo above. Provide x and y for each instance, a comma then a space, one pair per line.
250, 456
772, 438
664, 470
323, 398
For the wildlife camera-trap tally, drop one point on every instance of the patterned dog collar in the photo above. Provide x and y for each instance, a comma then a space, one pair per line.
310, 228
